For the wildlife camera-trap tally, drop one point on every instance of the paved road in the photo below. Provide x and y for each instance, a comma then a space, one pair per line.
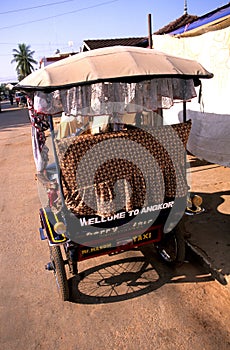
129, 301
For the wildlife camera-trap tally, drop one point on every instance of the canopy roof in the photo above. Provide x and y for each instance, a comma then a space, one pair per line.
117, 63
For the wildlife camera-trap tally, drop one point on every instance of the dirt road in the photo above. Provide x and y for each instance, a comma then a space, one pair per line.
146, 305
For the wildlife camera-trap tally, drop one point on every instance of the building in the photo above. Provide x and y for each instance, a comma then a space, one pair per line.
93, 44
45, 61
207, 40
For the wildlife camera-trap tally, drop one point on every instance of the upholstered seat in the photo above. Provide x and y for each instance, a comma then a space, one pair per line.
104, 173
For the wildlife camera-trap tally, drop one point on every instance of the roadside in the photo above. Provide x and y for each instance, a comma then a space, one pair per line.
210, 230
7, 107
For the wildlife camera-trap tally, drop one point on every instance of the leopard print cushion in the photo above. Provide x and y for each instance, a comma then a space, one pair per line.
119, 183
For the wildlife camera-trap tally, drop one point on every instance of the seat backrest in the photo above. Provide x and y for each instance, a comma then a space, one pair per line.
107, 172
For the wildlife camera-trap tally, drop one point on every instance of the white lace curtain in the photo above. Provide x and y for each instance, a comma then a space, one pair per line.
106, 98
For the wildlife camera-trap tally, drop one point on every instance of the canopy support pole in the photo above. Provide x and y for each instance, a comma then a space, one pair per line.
56, 159
184, 112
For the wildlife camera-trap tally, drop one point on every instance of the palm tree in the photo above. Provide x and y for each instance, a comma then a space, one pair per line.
23, 56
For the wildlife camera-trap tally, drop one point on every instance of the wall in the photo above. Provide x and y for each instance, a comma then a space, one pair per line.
212, 50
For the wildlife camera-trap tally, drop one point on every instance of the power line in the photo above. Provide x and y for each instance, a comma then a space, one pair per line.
62, 14
47, 48
34, 44
35, 7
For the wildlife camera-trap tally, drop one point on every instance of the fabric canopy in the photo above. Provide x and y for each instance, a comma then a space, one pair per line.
119, 63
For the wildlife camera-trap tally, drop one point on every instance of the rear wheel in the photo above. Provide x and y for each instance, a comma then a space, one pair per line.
172, 247
59, 272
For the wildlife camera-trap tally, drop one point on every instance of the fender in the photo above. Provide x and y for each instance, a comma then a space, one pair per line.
48, 220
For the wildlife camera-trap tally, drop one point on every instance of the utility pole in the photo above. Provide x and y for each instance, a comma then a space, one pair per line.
150, 31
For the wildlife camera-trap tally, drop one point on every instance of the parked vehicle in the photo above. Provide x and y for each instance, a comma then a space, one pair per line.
20, 99
117, 177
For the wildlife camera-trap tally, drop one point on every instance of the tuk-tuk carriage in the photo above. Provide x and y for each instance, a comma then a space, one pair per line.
111, 176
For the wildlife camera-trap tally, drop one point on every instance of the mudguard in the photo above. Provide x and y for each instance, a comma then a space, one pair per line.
48, 220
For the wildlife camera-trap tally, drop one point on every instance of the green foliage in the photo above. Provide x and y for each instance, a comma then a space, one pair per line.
23, 57
2, 88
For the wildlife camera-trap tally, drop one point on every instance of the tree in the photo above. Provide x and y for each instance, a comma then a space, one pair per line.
2, 89
23, 56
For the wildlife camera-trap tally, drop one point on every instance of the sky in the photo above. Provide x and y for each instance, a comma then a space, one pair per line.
48, 25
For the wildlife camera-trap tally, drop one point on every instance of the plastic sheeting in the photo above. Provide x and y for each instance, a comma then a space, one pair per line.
209, 138
213, 21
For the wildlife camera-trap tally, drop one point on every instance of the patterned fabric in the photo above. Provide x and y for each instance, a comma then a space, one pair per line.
126, 182
39, 125
120, 97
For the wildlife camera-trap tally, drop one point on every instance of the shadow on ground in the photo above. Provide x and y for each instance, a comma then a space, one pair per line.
210, 230
196, 162
128, 278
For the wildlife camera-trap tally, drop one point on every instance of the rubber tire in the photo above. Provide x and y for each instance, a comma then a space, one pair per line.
176, 238
59, 272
